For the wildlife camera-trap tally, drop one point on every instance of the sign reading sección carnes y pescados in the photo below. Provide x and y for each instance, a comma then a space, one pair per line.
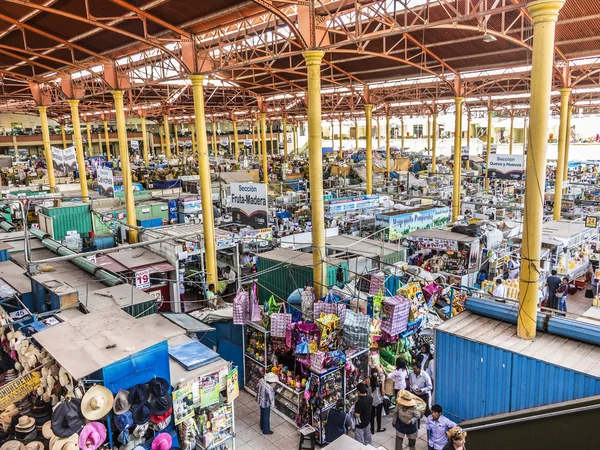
249, 204
506, 167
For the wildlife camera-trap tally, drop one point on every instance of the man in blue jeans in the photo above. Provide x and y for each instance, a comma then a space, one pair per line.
266, 399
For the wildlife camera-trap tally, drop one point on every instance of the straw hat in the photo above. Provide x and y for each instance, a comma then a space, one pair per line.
35, 445
47, 430
65, 379
25, 424
271, 378
405, 398
70, 443
13, 445
96, 403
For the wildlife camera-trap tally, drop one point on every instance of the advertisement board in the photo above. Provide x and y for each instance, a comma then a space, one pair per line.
404, 223
464, 153
106, 182
64, 160
506, 167
249, 204
342, 205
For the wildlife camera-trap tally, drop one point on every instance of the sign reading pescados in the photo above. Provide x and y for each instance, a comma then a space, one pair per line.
249, 204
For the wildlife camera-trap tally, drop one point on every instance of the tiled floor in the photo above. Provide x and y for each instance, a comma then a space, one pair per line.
286, 436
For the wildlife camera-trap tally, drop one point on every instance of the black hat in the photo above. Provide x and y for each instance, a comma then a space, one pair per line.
141, 414
158, 386
160, 405
67, 418
138, 395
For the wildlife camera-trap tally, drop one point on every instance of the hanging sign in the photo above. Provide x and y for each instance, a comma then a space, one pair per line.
209, 390
506, 167
233, 389
183, 404
106, 182
591, 222
249, 204
135, 145
142, 279
64, 160
18, 389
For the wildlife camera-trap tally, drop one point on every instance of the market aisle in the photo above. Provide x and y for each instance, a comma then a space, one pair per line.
285, 436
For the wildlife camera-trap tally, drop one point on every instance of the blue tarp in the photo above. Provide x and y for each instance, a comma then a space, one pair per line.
327, 150
192, 355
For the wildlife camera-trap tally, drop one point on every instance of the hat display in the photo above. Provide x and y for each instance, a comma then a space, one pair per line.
68, 443
158, 387
158, 418
141, 414
140, 430
162, 425
163, 441
121, 403
124, 421
92, 436
67, 419
25, 425
96, 403
271, 378
13, 445
160, 405
138, 395
35, 445
47, 430
65, 379
405, 398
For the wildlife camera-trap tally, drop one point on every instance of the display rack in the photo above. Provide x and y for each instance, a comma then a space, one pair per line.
329, 387
216, 428
360, 360
287, 402
257, 355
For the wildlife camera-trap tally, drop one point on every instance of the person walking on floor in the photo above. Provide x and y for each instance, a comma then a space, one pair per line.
362, 415
377, 395
420, 385
338, 422
405, 420
266, 400
437, 427
553, 282
399, 375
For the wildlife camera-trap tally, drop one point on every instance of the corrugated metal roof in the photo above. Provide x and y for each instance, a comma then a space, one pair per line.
556, 350
295, 258
361, 246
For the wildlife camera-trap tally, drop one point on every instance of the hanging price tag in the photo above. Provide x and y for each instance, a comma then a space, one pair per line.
142, 279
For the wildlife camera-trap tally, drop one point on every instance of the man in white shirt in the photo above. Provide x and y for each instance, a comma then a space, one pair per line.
499, 290
420, 385
513, 266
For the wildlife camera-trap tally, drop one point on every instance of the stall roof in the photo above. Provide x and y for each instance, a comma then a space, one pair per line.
238, 176
121, 295
5, 246
179, 230
162, 326
108, 263
442, 234
65, 271
14, 276
137, 257
91, 342
295, 258
360, 246
409, 210
560, 351
564, 229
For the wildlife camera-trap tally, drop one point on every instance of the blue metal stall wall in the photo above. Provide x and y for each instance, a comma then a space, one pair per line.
3, 255
227, 341
475, 380
140, 367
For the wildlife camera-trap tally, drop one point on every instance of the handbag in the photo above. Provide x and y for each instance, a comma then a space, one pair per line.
255, 313
356, 330
376, 285
279, 322
241, 307
308, 300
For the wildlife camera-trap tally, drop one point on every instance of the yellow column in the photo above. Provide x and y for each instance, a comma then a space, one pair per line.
402, 129
568, 144
236, 143
356, 134
512, 129
64, 135
544, 14
369, 150
295, 127
176, 136
457, 159
341, 142
263, 138
428, 136
388, 158
488, 149
253, 137
434, 145
208, 221
47, 149
468, 163
273, 150
313, 60
259, 146
88, 129
144, 142
194, 147
162, 141
214, 138
285, 146
125, 166
562, 136
167, 136
74, 104
525, 136
106, 140
378, 135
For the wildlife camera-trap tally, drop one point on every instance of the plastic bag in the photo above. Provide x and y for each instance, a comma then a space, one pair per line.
302, 348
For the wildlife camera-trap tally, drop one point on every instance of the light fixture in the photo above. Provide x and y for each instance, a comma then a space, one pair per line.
489, 38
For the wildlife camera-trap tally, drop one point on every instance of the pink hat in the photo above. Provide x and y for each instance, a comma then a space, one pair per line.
162, 442
92, 436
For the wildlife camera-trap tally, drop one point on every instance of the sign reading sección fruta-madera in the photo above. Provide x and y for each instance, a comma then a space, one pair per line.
249, 204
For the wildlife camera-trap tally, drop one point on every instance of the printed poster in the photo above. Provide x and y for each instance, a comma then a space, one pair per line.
249, 204
183, 404
106, 182
209, 390
18, 389
233, 388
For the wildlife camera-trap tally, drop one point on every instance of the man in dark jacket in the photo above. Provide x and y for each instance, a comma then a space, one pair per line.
553, 283
338, 422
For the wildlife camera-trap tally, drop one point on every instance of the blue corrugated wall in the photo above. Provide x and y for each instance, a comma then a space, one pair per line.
475, 380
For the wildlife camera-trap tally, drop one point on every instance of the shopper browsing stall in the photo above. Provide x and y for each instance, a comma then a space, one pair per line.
266, 400
399, 375
362, 415
405, 420
377, 395
338, 422
500, 290
420, 384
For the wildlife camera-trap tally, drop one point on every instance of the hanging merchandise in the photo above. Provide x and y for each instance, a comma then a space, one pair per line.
330, 305
377, 282
395, 315
241, 307
279, 322
255, 313
356, 330
329, 324
308, 300
96, 403
67, 418
92, 436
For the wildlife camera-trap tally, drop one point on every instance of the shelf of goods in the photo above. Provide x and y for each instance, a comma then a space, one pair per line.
258, 353
326, 388
359, 369
287, 402
216, 428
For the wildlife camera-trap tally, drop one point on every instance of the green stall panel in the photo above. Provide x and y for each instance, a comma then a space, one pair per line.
100, 220
160, 209
142, 309
138, 196
282, 271
393, 258
69, 217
